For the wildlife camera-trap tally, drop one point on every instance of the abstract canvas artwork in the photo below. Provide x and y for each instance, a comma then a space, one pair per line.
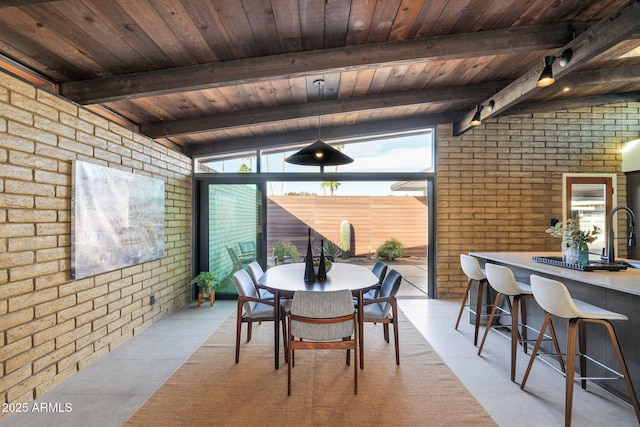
117, 219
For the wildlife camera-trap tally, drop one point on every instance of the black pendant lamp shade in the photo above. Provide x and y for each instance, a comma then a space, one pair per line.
319, 153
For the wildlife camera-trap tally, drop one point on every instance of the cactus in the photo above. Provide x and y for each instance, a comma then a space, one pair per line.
345, 238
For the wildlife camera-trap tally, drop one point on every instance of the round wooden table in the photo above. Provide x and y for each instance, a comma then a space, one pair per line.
284, 280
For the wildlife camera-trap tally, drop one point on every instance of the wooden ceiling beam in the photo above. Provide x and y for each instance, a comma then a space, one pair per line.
299, 111
382, 128
11, 3
317, 62
596, 39
472, 93
361, 130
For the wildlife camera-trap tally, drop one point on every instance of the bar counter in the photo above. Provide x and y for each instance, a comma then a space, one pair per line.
617, 291
627, 281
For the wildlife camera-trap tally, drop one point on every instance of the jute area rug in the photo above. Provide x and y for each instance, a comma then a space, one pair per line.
210, 389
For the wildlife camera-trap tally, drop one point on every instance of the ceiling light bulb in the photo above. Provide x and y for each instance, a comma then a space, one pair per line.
319, 154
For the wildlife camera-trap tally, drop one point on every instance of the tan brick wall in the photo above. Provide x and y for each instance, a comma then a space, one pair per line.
499, 185
50, 325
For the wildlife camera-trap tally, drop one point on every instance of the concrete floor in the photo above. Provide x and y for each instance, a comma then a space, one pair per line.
108, 391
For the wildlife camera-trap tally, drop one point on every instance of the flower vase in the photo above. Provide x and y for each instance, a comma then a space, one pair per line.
572, 254
564, 249
583, 253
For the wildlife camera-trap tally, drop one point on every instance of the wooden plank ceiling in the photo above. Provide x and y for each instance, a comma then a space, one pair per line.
213, 76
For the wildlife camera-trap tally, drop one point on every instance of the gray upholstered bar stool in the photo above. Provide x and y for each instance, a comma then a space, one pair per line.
474, 273
555, 300
501, 279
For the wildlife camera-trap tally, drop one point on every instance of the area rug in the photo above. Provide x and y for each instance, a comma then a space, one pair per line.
210, 389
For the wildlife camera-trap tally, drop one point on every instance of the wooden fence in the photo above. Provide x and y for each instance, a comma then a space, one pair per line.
373, 220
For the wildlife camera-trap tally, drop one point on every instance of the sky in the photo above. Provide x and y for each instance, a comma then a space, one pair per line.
411, 153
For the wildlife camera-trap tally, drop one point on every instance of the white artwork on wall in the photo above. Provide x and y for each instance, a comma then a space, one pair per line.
117, 219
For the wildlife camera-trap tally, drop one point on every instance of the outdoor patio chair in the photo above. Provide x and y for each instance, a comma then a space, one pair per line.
238, 264
247, 250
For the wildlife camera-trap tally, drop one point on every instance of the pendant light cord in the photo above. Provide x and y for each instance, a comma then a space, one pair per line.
319, 83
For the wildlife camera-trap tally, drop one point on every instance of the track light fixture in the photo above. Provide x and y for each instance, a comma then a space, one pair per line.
546, 78
477, 117
319, 153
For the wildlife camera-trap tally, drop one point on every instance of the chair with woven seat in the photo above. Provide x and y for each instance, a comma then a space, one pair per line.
323, 320
252, 308
384, 308
554, 298
474, 273
501, 279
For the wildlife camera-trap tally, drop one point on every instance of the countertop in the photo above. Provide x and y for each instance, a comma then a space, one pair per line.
627, 281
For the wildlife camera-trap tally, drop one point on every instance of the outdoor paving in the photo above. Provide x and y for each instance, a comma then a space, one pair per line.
413, 270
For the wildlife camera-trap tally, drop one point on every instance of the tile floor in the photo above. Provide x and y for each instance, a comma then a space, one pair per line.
108, 391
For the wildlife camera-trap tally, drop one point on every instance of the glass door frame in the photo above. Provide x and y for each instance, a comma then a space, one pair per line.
200, 226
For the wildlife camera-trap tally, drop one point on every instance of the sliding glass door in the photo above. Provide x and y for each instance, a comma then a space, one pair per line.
229, 232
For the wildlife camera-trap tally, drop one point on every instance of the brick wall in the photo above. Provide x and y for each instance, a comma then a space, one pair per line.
51, 326
499, 185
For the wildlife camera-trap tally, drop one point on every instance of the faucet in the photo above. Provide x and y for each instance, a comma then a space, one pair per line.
610, 255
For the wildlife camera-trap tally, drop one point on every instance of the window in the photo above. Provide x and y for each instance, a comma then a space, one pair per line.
589, 198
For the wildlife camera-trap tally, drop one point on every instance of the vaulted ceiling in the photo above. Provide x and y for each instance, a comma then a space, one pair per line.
212, 76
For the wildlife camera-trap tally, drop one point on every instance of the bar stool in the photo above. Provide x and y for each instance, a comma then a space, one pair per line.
555, 300
501, 279
472, 270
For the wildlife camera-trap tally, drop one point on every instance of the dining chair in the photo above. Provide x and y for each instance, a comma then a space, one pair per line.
252, 308
380, 270
255, 271
323, 320
384, 308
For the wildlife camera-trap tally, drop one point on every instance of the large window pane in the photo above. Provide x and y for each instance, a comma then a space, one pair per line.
405, 153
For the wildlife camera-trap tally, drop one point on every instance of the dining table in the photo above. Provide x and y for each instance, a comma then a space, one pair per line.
284, 280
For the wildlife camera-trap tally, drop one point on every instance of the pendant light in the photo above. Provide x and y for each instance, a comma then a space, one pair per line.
319, 153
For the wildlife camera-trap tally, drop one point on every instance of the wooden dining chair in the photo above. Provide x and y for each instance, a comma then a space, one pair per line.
255, 271
380, 270
323, 320
384, 308
252, 308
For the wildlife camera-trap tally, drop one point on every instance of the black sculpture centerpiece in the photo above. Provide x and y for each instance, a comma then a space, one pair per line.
322, 269
309, 275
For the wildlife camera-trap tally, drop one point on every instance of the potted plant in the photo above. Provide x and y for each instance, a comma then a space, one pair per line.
207, 282
572, 238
